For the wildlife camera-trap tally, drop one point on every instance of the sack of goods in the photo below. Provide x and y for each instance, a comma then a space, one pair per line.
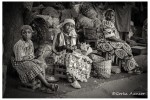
88, 11
67, 13
51, 11
51, 21
102, 69
85, 21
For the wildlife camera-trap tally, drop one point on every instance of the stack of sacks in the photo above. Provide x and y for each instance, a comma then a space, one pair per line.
88, 11
84, 21
51, 16
51, 21
77, 8
51, 12
67, 13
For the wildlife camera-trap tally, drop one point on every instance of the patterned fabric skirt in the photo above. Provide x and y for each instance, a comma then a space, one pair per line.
122, 51
28, 70
77, 66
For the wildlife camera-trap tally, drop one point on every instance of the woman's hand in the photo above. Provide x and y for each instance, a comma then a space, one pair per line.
57, 53
29, 57
26, 58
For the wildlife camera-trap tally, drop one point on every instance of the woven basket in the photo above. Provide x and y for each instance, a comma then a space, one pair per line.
103, 69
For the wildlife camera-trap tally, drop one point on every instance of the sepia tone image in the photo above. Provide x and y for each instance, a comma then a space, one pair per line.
76, 49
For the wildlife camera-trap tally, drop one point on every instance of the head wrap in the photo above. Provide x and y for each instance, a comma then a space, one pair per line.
105, 12
65, 22
24, 27
72, 33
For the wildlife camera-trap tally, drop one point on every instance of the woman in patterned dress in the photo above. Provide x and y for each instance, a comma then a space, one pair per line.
29, 68
78, 66
114, 45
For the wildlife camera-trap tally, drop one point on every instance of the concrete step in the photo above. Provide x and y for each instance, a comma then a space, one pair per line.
139, 50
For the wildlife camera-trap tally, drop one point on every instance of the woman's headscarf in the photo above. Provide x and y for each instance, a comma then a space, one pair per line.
65, 22
24, 27
72, 33
106, 13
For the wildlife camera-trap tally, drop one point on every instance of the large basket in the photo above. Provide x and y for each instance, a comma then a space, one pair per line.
102, 69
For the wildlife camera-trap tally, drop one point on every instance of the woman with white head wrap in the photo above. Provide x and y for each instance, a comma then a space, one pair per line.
64, 46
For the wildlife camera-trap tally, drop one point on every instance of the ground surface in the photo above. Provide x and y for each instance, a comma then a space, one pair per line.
95, 88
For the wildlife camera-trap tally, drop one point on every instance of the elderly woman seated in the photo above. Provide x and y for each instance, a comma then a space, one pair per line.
78, 66
112, 43
28, 67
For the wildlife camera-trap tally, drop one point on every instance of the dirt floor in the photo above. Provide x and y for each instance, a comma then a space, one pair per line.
66, 90
13, 92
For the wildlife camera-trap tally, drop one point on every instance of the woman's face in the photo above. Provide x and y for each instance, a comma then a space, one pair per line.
110, 15
68, 27
26, 34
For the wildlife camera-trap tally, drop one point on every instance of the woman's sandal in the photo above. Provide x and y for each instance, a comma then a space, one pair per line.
55, 87
136, 71
46, 90
51, 90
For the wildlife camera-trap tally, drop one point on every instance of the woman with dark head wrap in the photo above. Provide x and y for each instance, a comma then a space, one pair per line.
29, 68
113, 44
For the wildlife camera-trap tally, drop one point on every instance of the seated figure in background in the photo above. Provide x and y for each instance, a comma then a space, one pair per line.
112, 43
28, 67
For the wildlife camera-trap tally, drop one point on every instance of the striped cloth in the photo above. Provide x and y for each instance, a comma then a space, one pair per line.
27, 70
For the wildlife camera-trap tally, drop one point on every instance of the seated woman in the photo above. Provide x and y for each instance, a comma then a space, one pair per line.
28, 67
114, 45
78, 66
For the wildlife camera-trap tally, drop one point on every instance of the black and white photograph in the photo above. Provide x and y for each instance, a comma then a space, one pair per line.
74, 49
